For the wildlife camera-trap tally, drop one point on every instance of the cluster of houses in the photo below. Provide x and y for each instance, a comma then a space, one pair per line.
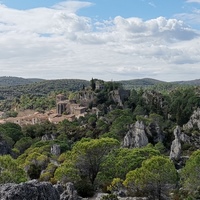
65, 109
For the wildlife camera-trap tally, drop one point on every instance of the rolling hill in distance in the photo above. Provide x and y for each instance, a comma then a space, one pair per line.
16, 86
13, 81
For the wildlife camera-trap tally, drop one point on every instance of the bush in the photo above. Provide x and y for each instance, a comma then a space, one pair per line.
85, 189
109, 197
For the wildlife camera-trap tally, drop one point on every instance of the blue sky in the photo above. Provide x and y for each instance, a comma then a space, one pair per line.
105, 9
106, 39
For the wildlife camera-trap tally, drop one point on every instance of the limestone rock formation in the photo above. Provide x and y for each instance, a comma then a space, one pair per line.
32, 190
48, 137
136, 136
194, 120
154, 133
118, 96
99, 196
155, 98
55, 149
70, 193
35, 190
175, 152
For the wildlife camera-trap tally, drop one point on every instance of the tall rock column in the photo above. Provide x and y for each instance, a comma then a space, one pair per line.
175, 152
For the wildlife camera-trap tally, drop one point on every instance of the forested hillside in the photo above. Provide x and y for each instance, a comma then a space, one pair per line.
157, 84
12, 81
143, 142
42, 88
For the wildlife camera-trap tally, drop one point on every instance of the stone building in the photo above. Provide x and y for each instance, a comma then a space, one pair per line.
69, 107
99, 85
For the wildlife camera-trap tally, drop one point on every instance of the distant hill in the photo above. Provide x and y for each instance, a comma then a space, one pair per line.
192, 82
42, 88
12, 81
153, 83
149, 81
143, 81
11, 87
140, 83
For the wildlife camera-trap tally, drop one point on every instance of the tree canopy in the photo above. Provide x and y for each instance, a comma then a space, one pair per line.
153, 178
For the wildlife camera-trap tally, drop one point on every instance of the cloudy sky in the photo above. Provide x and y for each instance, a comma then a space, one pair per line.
105, 39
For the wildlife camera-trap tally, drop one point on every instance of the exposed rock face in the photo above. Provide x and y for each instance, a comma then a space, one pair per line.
99, 196
192, 139
34, 190
155, 133
119, 96
155, 98
55, 149
70, 193
48, 137
85, 97
175, 152
194, 120
136, 136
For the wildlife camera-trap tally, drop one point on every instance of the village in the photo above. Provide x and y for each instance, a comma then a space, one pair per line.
65, 109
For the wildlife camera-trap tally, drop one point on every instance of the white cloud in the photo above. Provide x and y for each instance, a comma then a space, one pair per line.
193, 1
57, 43
152, 4
192, 18
71, 6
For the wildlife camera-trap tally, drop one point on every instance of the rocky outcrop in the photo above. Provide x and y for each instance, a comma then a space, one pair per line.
180, 137
70, 193
99, 196
155, 133
48, 137
34, 190
55, 149
136, 136
85, 97
194, 121
119, 96
154, 98
175, 152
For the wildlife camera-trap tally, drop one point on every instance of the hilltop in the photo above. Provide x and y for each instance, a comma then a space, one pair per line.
40, 87
12, 81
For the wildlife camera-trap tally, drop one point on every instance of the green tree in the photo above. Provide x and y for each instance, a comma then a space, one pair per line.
67, 171
93, 85
154, 177
182, 103
91, 154
85, 161
119, 120
11, 130
190, 175
23, 144
122, 160
10, 172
